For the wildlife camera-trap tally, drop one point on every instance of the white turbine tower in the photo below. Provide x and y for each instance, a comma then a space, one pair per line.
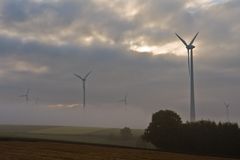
190, 48
84, 86
227, 110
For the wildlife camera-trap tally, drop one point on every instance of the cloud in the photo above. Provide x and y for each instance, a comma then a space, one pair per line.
204, 4
62, 106
13, 65
129, 45
26, 67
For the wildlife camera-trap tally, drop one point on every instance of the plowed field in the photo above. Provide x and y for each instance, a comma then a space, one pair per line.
17, 150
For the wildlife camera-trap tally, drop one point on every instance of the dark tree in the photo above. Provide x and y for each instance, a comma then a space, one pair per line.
211, 138
126, 133
165, 130
199, 135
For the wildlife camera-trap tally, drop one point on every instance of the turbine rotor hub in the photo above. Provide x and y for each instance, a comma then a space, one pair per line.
190, 46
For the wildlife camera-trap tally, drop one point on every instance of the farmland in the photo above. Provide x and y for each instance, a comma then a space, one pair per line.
96, 135
43, 150
61, 142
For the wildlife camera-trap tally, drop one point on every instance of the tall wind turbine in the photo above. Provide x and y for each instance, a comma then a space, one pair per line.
227, 110
190, 48
26, 95
84, 86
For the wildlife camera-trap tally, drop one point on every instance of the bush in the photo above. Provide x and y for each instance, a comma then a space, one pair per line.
167, 132
164, 130
126, 133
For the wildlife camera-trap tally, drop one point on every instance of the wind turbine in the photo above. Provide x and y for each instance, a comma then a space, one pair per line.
84, 86
124, 100
26, 95
227, 110
190, 48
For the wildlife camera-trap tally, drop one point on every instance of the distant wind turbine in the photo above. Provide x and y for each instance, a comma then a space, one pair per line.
124, 100
26, 95
190, 48
84, 86
227, 110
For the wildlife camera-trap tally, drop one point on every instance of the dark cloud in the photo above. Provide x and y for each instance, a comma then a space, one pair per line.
15, 11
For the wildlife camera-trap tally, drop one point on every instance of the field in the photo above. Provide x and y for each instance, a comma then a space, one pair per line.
110, 136
19, 150
70, 143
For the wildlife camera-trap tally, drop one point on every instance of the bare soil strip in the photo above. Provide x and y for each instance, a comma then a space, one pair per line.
43, 150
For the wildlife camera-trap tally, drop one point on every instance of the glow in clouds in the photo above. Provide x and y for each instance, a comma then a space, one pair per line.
46, 0
62, 106
126, 9
95, 37
173, 48
22, 66
8, 65
204, 3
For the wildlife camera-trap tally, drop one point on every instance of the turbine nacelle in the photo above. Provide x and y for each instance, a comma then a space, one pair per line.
189, 47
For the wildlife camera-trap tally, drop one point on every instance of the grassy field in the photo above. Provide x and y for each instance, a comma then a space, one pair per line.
19, 150
21, 145
94, 135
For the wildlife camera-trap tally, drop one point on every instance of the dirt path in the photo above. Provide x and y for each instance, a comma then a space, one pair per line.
13, 150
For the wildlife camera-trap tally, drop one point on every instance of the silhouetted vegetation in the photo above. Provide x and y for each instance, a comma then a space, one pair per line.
126, 133
167, 132
165, 126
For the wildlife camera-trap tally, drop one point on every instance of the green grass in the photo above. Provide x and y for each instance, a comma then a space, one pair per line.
20, 128
84, 131
69, 130
97, 135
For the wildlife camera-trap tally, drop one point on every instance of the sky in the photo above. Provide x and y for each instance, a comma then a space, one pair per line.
131, 49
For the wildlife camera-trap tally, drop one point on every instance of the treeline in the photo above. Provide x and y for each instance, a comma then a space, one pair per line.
167, 132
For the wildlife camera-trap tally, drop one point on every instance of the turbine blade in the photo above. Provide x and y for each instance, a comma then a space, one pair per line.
87, 74
78, 76
226, 104
184, 42
193, 39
